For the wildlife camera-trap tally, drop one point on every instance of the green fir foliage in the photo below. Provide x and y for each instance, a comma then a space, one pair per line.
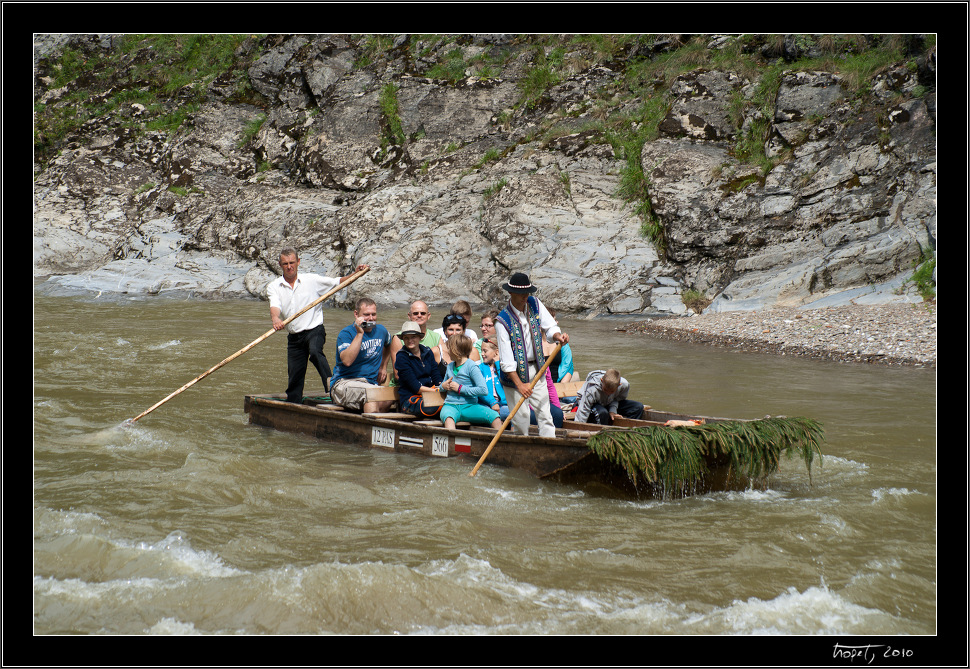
168, 74
676, 458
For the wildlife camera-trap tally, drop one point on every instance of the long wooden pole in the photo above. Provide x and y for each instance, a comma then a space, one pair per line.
541, 374
349, 280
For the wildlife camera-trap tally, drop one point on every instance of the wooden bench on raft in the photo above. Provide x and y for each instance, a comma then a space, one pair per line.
435, 398
432, 399
386, 394
389, 394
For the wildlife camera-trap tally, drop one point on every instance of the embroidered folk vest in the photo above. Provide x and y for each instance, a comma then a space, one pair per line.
512, 325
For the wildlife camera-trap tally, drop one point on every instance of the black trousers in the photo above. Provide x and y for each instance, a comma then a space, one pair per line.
300, 347
626, 408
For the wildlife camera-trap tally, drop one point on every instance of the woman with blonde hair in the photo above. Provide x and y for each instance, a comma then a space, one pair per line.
465, 385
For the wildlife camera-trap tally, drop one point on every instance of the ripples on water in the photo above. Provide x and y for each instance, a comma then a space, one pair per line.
191, 521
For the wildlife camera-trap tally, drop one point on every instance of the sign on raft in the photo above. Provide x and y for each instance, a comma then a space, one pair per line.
386, 437
382, 436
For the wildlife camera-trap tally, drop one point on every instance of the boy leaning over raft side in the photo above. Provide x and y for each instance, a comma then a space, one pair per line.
603, 398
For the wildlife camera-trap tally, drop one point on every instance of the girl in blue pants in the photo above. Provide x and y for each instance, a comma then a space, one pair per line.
465, 384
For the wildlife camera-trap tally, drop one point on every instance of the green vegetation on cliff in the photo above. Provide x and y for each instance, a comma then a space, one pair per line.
154, 82
168, 75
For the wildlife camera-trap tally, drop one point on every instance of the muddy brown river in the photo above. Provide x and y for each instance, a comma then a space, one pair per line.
192, 521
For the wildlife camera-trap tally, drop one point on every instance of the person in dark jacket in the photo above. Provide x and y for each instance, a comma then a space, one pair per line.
417, 371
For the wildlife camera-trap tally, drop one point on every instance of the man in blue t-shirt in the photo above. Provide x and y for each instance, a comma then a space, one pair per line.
362, 353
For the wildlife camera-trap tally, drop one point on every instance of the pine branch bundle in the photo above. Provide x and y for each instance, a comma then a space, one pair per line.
676, 457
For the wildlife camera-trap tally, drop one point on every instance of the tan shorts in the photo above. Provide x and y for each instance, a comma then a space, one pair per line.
351, 393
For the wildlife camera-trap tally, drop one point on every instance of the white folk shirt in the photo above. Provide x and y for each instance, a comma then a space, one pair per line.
506, 357
291, 299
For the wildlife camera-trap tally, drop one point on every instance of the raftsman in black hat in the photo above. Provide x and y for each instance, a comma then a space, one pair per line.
519, 283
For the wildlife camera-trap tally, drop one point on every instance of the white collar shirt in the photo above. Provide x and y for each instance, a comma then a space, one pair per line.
291, 299
546, 322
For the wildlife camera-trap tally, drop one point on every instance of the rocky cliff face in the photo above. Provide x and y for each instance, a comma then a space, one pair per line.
442, 164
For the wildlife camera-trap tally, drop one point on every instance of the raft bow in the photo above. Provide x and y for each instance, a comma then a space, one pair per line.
674, 457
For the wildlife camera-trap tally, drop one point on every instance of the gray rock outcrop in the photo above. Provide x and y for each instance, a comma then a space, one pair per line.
462, 184
848, 211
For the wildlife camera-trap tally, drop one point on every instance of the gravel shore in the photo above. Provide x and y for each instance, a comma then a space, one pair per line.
887, 334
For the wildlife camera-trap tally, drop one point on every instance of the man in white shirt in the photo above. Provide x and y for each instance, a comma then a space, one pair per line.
519, 329
306, 335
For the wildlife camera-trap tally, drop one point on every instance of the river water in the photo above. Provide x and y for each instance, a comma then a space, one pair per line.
192, 521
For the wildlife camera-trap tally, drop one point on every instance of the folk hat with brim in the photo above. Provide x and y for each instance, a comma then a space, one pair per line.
410, 327
519, 283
